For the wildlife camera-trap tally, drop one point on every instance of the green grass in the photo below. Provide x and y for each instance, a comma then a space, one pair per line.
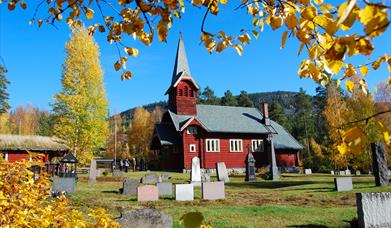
295, 200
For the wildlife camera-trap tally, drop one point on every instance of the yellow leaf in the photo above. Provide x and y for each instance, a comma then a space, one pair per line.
349, 86
23, 5
335, 66
89, 14
11, 6
345, 10
309, 13
387, 137
276, 21
328, 24
131, 51
364, 70
301, 48
318, 2
284, 36
117, 66
342, 148
224, 2
126, 75
255, 33
355, 139
291, 20
239, 49
350, 71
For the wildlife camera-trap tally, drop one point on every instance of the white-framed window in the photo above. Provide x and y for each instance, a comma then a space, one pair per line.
212, 145
257, 145
192, 130
192, 148
5, 156
235, 145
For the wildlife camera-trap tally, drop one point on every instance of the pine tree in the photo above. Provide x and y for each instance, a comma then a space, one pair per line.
277, 114
4, 96
244, 100
208, 97
81, 107
228, 99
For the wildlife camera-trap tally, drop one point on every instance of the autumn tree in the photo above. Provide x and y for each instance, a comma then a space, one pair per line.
25, 120
117, 141
80, 109
244, 100
4, 96
140, 133
229, 99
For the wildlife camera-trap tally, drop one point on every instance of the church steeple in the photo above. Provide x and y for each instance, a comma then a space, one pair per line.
183, 89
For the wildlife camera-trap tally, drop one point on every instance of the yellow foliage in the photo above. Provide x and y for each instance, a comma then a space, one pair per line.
25, 201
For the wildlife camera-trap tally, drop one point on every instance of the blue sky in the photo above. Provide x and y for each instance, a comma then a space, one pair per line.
33, 57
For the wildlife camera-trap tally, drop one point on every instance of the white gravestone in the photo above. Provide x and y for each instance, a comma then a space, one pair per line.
222, 173
347, 172
184, 192
195, 171
308, 171
342, 173
374, 209
332, 172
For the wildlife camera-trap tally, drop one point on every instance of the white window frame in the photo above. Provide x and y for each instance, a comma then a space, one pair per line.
258, 142
192, 148
236, 145
192, 130
212, 145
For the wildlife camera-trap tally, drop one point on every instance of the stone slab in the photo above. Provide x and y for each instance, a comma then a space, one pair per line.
184, 192
222, 173
165, 188
379, 164
307, 171
130, 186
213, 190
145, 218
64, 184
147, 193
343, 184
151, 178
374, 209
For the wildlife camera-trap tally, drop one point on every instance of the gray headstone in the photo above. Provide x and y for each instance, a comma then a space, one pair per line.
205, 177
222, 174
64, 184
374, 209
195, 170
358, 173
130, 186
184, 192
213, 190
332, 172
146, 218
151, 178
347, 172
343, 184
342, 173
379, 164
92, 172
165, 176
165, 188
308, 171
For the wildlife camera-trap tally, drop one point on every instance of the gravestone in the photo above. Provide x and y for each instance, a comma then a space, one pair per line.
379, 164
222, 174
64, 184
343, 184
308, 171
165, 176
130, 186
332, 172
195, 171
342, 173
205, 177
250, 166
213, 190
184, 192
92, 172
358, 173
274, 175
165, 188
151, 178
374, 209
389, 172
146, 218
347, 172
147, 193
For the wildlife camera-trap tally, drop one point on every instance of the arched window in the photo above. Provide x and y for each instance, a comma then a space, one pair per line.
191, 92
180, 93
186, 91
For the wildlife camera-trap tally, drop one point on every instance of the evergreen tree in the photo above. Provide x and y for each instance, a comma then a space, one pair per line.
4, 96
244, 100
228, 99
46, 122
81, 107
277, 114
208, 97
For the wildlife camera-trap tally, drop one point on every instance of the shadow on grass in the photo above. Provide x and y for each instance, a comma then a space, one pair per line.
272, 184
112, 191
309, 225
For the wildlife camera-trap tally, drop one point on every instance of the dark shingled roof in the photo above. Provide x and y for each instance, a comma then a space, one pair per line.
167, 134
228, 119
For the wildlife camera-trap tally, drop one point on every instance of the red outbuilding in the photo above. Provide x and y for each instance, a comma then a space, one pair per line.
215, 133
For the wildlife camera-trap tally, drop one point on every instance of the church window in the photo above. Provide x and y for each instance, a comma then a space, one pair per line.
192, 130
186, 92
257, 145
235, 145
180, 93
191, 92
212, 145
192, 147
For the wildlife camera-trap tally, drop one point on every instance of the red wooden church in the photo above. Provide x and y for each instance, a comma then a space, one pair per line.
215, 133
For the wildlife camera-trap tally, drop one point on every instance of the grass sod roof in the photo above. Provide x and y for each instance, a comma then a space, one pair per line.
32, 142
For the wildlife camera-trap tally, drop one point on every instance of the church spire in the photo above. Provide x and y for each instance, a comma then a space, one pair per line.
181, 66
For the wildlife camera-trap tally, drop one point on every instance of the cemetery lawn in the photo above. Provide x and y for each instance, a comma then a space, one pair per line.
293, 201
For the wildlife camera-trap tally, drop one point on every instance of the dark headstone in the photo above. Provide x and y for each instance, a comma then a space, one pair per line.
151, 178
250, 166
64, 184
130, 187
374, 209
379, 164
146, 218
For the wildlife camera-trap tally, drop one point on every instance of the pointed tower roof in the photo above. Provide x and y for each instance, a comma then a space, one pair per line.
181, 66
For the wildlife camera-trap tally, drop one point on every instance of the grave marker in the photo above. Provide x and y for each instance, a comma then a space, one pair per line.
184, 192
151, 178
222, 174
250, 166
374, 209
130, 186
308, 171
64, 184
195, 171
146, 218
343, 184
165, 188
379, 164
213, 190
147, 193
